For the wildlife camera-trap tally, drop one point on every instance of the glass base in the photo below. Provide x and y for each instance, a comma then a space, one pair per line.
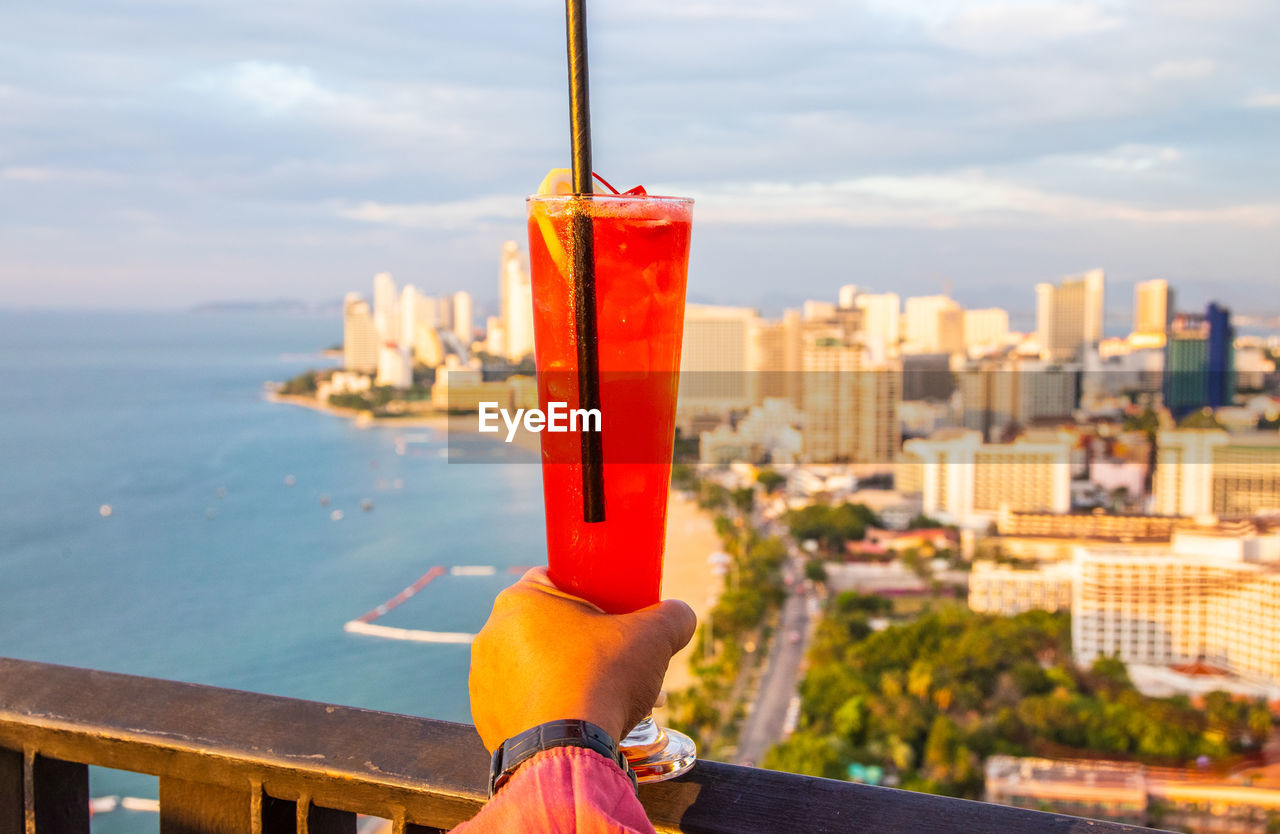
657, 754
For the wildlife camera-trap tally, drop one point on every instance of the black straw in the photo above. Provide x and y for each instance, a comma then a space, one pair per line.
584, 264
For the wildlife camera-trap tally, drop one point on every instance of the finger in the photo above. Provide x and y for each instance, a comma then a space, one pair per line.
537, 575
538, 579
672, 618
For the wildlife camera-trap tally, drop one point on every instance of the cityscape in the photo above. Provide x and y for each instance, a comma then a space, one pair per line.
933, 363
875, 465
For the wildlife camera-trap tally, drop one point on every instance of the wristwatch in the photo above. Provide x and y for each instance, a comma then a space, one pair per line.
568, 733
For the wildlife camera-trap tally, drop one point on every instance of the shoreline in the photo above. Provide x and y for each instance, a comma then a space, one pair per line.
690, 533
435, 419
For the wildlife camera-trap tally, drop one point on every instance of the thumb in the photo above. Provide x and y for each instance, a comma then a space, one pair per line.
672, 618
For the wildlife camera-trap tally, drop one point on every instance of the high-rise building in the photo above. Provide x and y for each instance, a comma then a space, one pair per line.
1006, 590
850, 405
717, 361
923, 320
463, 317
1069, 316
1199, 365
819, 311
359, 336
778, 360
516, 302
412, 304
998, 393
881, 315
395, 366
966, 481
1201, 472
386, 314
1213, 597
986, 328
1152, 306
847, 295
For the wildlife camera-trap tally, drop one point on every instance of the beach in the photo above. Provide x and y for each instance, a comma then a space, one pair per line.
686, 574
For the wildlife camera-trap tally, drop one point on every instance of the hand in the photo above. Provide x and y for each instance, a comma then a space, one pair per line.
546, 655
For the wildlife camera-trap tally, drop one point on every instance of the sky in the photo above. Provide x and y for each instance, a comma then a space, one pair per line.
157, 153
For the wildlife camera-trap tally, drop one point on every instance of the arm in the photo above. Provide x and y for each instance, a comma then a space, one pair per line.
545, 655
567, 790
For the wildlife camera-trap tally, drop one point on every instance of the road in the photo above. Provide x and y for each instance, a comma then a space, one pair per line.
763, 727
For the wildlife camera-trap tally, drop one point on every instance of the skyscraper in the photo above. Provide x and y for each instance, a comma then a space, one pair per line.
463, 317
1152, 307
881, 316
717, 362
386, 307
1069, 316
926, 332
1199, 363
986, 328
359, 336
516, 302
850, 404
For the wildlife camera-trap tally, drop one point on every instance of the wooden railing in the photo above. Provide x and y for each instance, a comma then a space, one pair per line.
231, 762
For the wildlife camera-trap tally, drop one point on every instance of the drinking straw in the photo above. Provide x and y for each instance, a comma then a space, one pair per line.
584, 264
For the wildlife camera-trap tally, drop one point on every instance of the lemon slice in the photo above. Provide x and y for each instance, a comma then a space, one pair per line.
557, 181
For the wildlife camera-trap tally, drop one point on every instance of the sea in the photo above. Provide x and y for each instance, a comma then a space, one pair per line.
160, 516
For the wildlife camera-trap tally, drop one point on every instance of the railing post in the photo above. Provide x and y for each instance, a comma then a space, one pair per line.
201, 808
282, 816
11, 803
56, 795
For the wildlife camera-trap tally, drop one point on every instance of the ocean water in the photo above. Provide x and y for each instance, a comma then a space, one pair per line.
210, 568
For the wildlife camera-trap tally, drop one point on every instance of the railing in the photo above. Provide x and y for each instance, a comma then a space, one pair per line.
230, 762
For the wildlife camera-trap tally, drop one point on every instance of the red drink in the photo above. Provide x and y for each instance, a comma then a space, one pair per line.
641, 249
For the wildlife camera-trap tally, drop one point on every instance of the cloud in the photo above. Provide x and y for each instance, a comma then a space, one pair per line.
709, 10
1263, 101
287, 91
48, 174
1134, 158
1011, 27
1184, 70
442, 216
962, 199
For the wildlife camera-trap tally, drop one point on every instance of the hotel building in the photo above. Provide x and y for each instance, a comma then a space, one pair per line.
1212, 597
965, 481
1069, 315
1210, 472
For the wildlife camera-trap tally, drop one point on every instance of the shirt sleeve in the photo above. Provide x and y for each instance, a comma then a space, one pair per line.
564, 790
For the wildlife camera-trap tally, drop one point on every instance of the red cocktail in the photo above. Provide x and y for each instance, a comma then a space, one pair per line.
641, 253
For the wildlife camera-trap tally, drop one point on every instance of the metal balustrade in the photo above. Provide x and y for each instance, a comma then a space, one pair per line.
232, 762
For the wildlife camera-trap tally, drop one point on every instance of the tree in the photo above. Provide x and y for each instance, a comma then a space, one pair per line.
1202, 419
302, 385
831, 526
815, 570
924, 522
770, 480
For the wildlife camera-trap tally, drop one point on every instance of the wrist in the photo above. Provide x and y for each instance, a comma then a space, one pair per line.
520, 748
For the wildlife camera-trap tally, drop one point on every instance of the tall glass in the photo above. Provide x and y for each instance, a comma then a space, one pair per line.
641, 252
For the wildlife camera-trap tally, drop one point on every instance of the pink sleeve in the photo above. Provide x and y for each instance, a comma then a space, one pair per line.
565, 790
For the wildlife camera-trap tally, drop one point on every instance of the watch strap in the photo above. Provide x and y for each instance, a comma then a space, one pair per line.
521, 747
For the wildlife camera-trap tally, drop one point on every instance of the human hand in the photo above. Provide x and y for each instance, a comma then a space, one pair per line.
546, 655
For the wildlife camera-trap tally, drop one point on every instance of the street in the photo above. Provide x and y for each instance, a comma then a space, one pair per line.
763, 727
